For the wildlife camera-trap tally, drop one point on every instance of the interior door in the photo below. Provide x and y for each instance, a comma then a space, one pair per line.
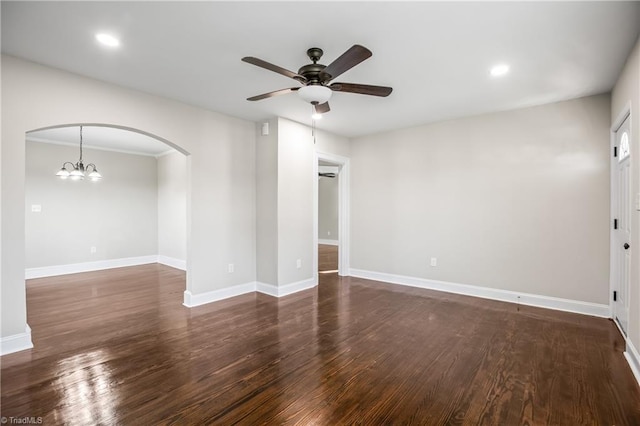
622, 225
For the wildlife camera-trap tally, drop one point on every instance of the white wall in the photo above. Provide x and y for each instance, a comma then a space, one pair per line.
516, 200
221, 195
172, 206
267, 204
329, 143
295, 202
117, 215
328, 208
627, 92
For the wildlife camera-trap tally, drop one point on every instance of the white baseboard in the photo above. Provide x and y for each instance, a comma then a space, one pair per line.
173, 262
268, 289
191, 300
328, 242
633, 358
16, 342
548, 302
287, 289
74, 268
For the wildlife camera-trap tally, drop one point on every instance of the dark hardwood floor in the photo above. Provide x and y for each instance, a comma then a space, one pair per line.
327, 258
118, 347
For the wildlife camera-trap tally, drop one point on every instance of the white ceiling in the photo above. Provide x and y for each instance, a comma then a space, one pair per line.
435, 55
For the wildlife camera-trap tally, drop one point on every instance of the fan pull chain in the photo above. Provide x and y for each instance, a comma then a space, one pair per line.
313, 123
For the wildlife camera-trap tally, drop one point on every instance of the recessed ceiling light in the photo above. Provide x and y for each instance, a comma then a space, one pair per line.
107, 40
499, 70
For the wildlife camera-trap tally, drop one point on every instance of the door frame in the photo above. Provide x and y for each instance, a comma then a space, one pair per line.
613, 253
343, 211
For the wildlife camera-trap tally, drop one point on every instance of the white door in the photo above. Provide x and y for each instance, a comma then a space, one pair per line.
622, 225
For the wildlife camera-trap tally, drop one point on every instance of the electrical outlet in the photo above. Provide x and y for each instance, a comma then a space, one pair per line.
434, 261
329, 233
231, 268
93, 249
299, 263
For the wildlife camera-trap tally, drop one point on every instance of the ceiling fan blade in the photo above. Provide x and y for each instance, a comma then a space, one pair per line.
266, 65
322, 108
345, 62
272, 94
363, 89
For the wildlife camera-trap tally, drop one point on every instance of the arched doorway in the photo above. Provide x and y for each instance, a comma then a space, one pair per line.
136, 214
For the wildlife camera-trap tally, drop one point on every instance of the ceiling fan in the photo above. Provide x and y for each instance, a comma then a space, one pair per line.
327, 175
315, 78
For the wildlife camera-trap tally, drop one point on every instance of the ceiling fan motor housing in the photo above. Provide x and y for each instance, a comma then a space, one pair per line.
311, 72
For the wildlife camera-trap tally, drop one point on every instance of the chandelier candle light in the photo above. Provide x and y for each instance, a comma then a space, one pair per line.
77, 170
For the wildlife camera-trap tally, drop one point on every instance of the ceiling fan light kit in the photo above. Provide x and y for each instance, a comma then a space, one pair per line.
315, 95
315, 78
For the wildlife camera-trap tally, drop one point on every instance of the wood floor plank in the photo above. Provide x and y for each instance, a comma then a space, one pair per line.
118, 347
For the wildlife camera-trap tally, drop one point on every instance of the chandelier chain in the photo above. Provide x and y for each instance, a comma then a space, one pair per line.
80, 161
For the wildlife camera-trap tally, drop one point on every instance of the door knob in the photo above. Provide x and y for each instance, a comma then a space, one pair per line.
626, 246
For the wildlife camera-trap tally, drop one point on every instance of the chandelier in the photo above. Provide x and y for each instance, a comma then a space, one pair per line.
77, 171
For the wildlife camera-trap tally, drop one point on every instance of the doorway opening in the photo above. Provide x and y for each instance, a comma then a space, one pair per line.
328, 217
331, 224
